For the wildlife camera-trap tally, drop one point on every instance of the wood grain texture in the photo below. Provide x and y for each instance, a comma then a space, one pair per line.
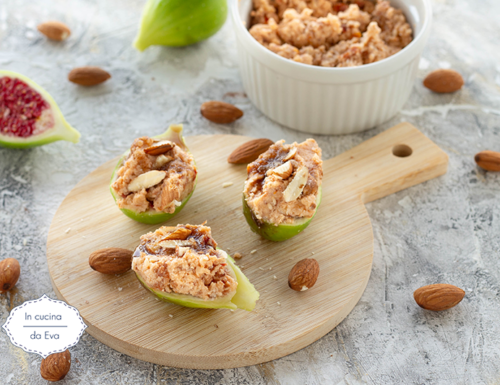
121, 314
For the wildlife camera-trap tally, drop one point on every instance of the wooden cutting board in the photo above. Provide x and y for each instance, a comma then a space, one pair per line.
124, 316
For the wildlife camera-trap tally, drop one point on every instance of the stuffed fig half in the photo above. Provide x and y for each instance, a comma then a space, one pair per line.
155, 179
183, 265
283, 189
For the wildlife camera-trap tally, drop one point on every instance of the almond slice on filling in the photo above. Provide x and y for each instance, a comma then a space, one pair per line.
162, 160
159, 148
283, 171
146, 180
172, 243
295, 187
291, 154
180, 234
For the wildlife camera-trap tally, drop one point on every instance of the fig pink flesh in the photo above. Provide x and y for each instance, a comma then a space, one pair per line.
21, 109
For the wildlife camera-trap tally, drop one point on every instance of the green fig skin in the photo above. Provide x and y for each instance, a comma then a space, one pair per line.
244, 298
61, 130
278, 233
174, 133
179, 23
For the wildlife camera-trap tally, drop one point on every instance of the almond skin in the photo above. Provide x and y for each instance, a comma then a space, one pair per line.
9, 274
438, 297
249, 151
444, 81
303, 275
54, 30
112, 260
88, 76
56, 366
220, 112
488, 160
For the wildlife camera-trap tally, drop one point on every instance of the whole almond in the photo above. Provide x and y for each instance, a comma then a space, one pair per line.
56, 366
220, 112
112, 260
444, 81
88, 76
159, 148
438, 297
303, 275
249, 151
54, 30
488, 160
9, 274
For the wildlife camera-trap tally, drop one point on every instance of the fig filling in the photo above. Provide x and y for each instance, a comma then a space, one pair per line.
184, 260
283, 183
157, 175
23, 111
330, 33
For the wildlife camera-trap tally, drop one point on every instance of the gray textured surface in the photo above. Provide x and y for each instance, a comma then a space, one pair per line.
446, 230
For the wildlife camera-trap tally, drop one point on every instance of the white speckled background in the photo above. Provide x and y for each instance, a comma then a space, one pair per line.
446, 230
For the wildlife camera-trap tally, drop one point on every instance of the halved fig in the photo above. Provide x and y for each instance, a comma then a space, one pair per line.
183, 265
28, 115
283, 189
154, 180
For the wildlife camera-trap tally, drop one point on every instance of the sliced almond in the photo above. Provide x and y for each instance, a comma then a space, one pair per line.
295, 187
173, 243
180, 233
291, 154
146, 180
159, 148
283, 171
162, 160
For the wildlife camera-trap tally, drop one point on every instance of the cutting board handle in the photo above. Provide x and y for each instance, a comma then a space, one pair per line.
398, 158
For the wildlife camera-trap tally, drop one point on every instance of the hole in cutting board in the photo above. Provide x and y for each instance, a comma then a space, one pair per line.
402, 150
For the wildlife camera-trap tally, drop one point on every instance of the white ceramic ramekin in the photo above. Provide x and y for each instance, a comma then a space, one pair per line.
323, 100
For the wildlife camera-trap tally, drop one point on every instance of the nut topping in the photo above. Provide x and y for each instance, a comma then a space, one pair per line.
162, 160
303, 275
291, 154
172, 243
283, 171
159, 148
295, 187
146, 180
180, 233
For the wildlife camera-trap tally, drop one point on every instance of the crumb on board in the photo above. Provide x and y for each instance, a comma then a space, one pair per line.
227, 184
68, 230
275, 277
237, 256
171, 315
